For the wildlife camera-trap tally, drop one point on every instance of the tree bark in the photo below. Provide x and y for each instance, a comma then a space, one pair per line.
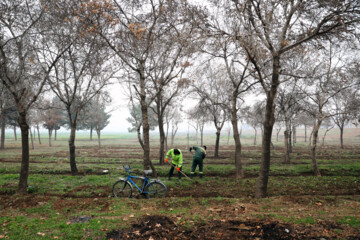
162, 139
38, 131
145, 124
91, 133
286, 147
15, 136
290, 140
3, 125
31, 138
98, 132
261, 190
217, 143
55, 135
73, 167
255, 136
305, 134
294, 135
50, 134
25, 155
342, 137
313, 148
234, 122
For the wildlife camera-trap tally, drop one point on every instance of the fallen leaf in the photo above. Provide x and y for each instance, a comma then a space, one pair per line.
132, 215
40, 234
158, 225
2, 236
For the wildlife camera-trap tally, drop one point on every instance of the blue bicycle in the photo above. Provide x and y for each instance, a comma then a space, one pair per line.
149, 188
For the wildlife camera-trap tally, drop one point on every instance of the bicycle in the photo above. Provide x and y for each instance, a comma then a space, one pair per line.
150, 188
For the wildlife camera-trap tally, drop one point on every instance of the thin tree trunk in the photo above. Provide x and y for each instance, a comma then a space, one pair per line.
91, 133
217, 143
269, 121
73, 167
290, 139
234, 122
277, 134
3, 125
31, 139
55, 135
25, 155
255, 136
50, 134
342, 137
313, 148
202, 135
305, 134
98, 131
162, 140
294, 135
15, 136
38, 131
228, 138
286, 147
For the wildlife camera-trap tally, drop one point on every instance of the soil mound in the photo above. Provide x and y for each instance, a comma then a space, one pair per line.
161, 227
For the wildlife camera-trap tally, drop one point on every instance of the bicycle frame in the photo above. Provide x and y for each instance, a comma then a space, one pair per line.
129, 178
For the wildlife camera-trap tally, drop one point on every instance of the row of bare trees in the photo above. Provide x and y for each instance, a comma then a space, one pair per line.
224, 51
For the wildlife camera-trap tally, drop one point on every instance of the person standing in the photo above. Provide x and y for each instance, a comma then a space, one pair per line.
200, 154
177, 160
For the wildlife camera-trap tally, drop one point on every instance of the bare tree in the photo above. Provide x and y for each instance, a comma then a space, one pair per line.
328, 81
25, 62
146, 36
175, 121
267, 30
199, 116
345, 107
81, 74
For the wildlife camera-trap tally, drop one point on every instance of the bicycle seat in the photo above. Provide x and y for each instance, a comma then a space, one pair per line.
147, 172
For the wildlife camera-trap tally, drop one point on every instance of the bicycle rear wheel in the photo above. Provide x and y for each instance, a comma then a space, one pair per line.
122, 189
155, 189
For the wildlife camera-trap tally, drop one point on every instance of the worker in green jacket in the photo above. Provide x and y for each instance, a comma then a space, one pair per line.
200, 154
177, 160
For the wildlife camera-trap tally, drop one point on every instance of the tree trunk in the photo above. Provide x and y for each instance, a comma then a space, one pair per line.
286, 147
31, 138
228, 137
277, 134
38, 131
145, 124
342, 136
313, 148
290, 139
98, 132
55, 135
162, 140
15, 136
255, 136
305, 133
294, 135
3, 125
50, 134
217, 143
202, 135
234, 122
73, 167
25, 155
269, 121
91, 133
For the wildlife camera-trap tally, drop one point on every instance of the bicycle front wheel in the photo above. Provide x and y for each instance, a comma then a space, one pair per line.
122, 189
155, 189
